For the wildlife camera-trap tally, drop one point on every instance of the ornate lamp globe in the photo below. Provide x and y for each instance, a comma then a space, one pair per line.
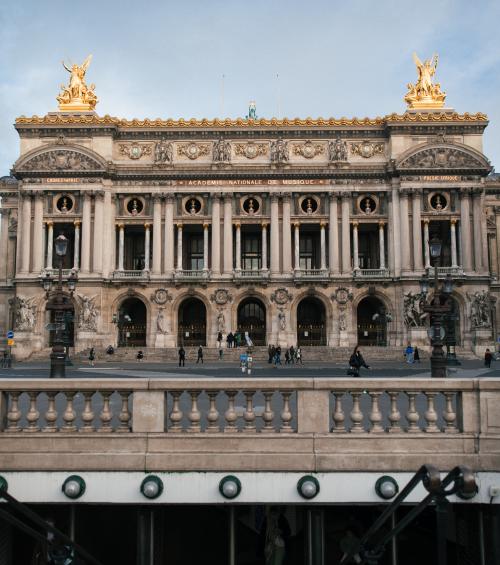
61, 244
435, 247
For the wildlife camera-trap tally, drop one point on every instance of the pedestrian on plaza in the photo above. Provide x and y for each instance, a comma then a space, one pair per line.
5, 360
219, 340
409, 351
200, 355
270, 353
292, 354
140, 355
182, 356
273, 353
110, 350
237, 337
230, 339
416, 355
356, 361
488, 358
91, 356
298, 355
287, 357
221, 353
277, 356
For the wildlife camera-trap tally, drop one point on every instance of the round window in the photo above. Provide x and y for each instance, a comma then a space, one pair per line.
251, 206
193, 206
438, 202
368, 205
135, 206
309, 205
64, 204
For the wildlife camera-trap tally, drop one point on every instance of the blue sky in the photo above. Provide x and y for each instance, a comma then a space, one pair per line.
155, 58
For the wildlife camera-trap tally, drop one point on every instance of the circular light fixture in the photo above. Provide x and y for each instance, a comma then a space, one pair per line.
74, 486
152, 486
4, 485
386, 487
230, 486
461, 493
308, 486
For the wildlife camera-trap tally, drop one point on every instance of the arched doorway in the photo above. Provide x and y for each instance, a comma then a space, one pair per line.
372, 322
132, 323
192, 327
252, 319
311, 322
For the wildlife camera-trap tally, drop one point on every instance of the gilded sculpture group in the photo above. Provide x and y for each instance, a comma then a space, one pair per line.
424, 94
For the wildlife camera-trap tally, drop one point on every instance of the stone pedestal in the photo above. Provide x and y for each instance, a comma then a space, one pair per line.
419, 337
482, 338
344, 338
26, 343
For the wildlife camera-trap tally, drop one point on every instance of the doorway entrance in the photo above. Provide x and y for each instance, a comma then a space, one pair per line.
252, 319
132, 323
372, 322
192, 328
311, 322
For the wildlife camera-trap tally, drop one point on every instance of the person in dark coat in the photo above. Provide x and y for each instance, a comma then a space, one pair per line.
182, 356
416, 355
488, 358
230, 339
356, 361
91, 356
140, 355
200, 355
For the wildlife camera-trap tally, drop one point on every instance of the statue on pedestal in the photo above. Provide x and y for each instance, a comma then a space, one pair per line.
77, 96
424, 94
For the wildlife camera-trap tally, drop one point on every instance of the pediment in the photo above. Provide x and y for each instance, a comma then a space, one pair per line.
449, 157
61, 159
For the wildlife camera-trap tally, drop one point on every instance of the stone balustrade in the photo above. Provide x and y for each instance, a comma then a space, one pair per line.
247, 424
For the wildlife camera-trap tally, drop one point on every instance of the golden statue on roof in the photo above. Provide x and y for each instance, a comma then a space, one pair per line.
424, 94
77, 96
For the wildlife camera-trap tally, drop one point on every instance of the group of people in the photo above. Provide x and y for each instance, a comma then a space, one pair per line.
411, 353
233, 340
293, 355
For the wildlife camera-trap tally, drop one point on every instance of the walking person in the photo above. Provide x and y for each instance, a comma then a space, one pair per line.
221, 353
230, 339
488, 358
91, 356
292, 355
200, 355
219, 340
182, 357
140, 355
416, 355
270, 353
287, 357
356, 361
409, 351
298, 355
277, 356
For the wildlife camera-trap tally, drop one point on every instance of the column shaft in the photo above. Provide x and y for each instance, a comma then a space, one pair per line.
169, 237
86, 212
287, 237
179, 247
334, 236
156, 236
346, 234
478, 243
19, 234
322, 240
417, 231
98, 234
216, 235
355, 247
465, 230
275, 236
76, 254
26, 236
453, 237
205, 247
484, 232
381, 245
396, 228
109, 238
297, 245
228, 235
427, 255
121, 246
4, 243
38, 235
405, 232
264, 247
50, 244
238, 247
147, 246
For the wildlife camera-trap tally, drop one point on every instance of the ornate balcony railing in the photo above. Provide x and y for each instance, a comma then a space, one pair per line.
446, 271
142, 274
372, 273
198, 274
310, 274
252, 274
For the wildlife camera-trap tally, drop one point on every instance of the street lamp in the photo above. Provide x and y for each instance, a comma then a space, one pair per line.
437, 311
60, 304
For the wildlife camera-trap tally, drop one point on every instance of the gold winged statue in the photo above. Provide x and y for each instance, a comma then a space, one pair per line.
424, 94
77, 96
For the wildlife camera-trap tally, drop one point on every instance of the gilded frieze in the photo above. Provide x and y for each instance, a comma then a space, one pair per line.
135, 151
193, 150
309, 150
250, 150
367, 149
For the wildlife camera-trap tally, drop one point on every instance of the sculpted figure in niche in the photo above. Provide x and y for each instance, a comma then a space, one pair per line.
337, 150
279, 151
161, 322
414, 315
282, 319
88, 313
222, 151
221, 322
25, 313
480, 314
163, 152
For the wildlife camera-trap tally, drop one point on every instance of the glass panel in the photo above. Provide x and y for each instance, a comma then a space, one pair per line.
251, 252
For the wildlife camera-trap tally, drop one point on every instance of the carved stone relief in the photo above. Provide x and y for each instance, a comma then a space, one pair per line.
279, 151
87, 319
250, 150
61, 160
281, 296
308, 150
480, 309
161, 296
440, 157
135, 151
24, 313
163, 152
337, 150
193, 150
367, 149
221, 296
413, 309
221, 152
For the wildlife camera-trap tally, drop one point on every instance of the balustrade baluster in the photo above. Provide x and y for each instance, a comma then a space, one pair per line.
375, 413
213, 413
286, 414
450, 416
124, 415
356, 414
105, 415
249, 414
14, 414
338, 413
69, 415
87, 414
194, 415
412, 414
268, 415
33, 414
231, 416
51, 413
175, 415
395, 414
431, 414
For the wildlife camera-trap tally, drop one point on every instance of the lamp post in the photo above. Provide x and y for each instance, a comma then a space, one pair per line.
437, 311
60, 304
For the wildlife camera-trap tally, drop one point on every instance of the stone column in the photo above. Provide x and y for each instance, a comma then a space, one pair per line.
228, 235
237, 253
26, 234
381, 244
86, 211
215, 235
179, 247
38, 234
50, 244
76, 254
346, 233
205, 247
19, 231
465, 230
417, 230
296, 240
169, 236
4, 243
287, 237
396, 227
275, 236
264, 246
334, 236
156, 235
405, 231
355, 247
427, 255
147, 246
98, 233
484, 232
497, 225
121, 246
478, 243
109, 239
453, 236
322, 240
